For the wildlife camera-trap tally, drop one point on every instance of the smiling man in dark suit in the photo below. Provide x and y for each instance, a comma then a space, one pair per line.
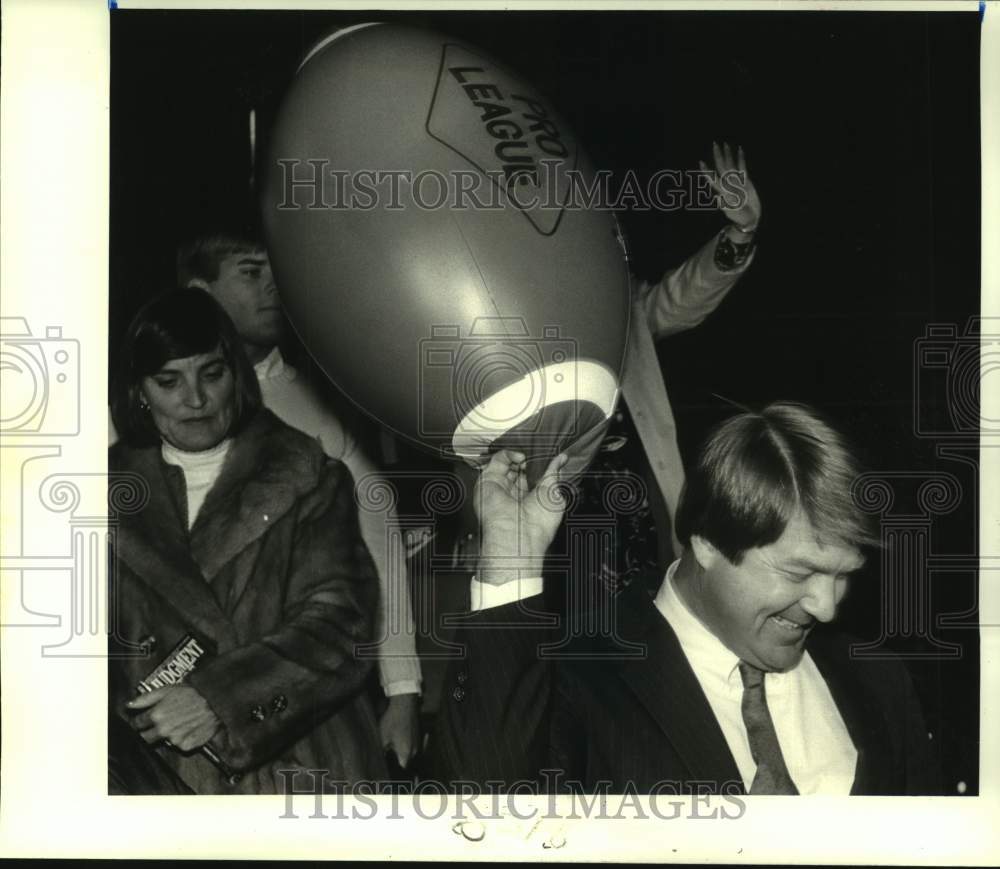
727, 680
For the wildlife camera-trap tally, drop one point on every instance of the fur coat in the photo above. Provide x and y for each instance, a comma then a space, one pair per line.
275, 583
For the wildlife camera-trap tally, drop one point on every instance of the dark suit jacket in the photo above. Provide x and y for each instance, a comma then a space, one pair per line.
629, 710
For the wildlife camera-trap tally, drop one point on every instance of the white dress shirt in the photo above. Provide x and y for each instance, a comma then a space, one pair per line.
818, 751
484, 595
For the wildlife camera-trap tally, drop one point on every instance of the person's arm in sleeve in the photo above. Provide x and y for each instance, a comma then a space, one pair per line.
395, 631
686, 295
310, 660
495, 718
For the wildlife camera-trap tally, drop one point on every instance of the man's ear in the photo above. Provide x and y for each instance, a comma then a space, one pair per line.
200, 284
705, 553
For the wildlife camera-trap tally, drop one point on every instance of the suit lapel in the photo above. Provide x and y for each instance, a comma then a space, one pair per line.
667, 687
859, 711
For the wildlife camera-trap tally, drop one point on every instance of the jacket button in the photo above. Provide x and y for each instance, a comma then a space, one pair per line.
462, 676
148, 643
458, 694
279, 703
258, 713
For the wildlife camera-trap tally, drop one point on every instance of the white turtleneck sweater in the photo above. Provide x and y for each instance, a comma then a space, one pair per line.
200, 471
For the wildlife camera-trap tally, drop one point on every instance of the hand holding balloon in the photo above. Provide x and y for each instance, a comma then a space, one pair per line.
517, 523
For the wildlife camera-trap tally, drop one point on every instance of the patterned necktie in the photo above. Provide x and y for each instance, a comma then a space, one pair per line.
772, 775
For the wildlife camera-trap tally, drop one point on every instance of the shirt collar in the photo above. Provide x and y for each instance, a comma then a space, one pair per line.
705, 651
274, 367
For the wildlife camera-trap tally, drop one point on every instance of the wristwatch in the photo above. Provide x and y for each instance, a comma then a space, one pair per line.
731, 255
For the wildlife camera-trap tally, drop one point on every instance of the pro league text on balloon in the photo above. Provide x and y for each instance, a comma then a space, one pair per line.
511, 147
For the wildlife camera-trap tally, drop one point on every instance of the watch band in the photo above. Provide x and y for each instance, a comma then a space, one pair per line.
731, 255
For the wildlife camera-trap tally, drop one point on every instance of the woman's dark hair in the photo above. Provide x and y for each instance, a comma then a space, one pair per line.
176, 325
757, 469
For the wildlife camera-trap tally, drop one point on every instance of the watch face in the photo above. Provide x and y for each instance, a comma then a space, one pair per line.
729, 254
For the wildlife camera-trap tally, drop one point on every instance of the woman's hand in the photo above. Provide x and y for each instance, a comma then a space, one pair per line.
177, 714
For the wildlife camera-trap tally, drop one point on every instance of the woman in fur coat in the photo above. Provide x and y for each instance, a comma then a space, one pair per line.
242, 590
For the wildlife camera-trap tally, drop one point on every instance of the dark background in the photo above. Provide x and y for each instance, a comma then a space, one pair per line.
861, 133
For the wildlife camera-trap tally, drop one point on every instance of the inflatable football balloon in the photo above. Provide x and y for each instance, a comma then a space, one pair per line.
427, 221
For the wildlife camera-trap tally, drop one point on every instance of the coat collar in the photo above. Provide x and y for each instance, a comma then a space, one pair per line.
267, 469
152, 542
666, 685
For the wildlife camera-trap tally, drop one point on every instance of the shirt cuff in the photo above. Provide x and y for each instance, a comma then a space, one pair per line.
394, 689
486, 596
